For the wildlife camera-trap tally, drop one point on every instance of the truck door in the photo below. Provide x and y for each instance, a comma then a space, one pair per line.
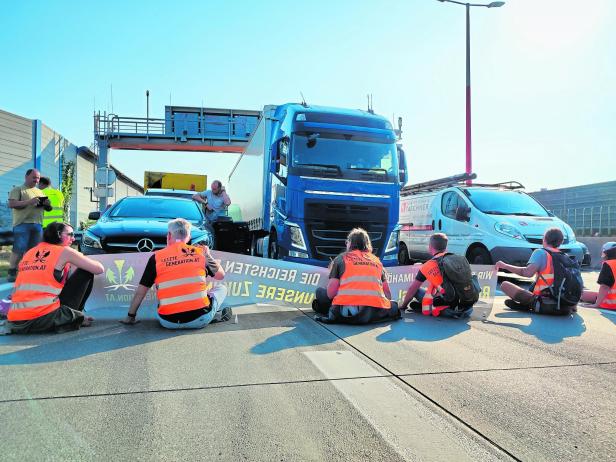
454, 221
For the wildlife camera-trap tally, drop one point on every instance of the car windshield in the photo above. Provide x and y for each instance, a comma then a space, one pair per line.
156, 207
343, 156
498, 202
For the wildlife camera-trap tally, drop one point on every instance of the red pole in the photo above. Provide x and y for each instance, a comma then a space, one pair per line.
469, 161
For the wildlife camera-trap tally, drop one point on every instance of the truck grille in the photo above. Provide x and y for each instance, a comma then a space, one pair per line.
328, 225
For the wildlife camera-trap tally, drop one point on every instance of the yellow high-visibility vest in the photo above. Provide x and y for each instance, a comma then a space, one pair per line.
57, 202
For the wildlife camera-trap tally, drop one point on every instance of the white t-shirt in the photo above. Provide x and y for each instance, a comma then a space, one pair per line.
216, 203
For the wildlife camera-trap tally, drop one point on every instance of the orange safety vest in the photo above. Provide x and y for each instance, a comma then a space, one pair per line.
609, 302
180, 279
36, 289
361, 283
545, 278
435, 279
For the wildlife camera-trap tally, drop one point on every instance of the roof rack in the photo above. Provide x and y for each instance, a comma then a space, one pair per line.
504, 184
437, 184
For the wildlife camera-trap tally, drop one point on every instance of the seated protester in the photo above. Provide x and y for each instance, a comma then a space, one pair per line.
357, 291
46, 299
606, 297
434, 300
541, 264
179, 272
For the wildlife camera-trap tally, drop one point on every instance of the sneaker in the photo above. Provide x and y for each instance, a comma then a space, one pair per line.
11, 276
513, 305
415, 306
223, 315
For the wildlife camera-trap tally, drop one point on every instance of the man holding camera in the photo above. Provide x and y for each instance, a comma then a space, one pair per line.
215, 200
28, 203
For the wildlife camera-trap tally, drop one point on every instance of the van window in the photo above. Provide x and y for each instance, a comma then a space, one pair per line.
450, 204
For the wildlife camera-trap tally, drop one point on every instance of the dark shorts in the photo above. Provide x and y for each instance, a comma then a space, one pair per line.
63, 319
26, 236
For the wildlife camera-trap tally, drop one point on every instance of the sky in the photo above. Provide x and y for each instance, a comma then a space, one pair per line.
543, 73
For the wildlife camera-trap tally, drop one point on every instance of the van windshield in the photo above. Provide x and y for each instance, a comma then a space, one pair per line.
498, 202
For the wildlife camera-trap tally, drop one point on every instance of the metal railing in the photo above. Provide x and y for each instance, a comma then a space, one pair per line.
590, 221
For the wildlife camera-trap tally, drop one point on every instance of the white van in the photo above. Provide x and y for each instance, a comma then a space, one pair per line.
486, 223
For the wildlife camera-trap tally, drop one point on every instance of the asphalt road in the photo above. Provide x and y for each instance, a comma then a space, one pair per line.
278, 386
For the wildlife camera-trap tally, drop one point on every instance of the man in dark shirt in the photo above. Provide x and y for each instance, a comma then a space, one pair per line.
200, 316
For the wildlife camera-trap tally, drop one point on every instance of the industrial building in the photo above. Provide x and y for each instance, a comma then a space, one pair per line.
589, 209
29, 143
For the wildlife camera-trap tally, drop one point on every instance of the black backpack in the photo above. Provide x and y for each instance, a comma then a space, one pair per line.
568, 284
460, 285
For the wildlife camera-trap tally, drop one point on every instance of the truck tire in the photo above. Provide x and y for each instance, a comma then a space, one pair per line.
272, 248
479, 256
403, 255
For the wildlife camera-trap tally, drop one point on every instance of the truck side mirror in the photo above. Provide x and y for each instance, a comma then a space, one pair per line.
94, 216
281, 151
403, 173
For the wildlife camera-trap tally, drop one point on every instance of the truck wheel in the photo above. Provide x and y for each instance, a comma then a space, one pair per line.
403, 255
272, 248
479, 256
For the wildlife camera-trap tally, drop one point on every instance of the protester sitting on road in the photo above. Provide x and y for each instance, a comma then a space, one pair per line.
215, 200
541, 264
45, 299
433, 300
357, 291
606, 297
28, 203
179, 272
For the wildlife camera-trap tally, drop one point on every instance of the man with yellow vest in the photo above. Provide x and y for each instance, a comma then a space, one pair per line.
56, 198
606, 297
429, 301
357, 291
540, 265
179, 272
46, 298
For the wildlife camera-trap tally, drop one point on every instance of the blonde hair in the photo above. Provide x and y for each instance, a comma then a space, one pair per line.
179, 228
358, 239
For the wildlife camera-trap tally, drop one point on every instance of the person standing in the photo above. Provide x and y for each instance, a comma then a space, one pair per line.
28, 203
179, 272
46, 298
357, 291
215, 199
56, 199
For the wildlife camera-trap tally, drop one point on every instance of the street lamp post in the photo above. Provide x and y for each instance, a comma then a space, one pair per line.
469, 161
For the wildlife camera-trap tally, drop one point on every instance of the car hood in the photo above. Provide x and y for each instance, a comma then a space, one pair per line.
114, 226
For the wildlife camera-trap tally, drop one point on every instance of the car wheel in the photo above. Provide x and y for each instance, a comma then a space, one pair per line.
479, 256
403, 255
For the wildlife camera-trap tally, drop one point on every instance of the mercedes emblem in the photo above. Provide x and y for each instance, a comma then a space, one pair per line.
145, 245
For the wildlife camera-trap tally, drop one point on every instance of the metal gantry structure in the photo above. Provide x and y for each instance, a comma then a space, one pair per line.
192, 129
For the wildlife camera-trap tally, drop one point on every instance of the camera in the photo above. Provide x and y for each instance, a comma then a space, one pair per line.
41, 200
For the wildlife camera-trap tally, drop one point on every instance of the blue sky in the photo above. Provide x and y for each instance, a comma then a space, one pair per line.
543, 73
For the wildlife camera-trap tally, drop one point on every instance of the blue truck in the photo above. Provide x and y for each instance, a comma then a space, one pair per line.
309, 174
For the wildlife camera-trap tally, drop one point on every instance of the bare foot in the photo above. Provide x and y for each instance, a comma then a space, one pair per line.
87, 321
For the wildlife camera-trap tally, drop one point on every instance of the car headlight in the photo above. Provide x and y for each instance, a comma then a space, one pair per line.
91, 240
508, 230
392, 242
297, 237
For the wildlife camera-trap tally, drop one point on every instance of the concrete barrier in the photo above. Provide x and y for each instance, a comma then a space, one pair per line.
594, 245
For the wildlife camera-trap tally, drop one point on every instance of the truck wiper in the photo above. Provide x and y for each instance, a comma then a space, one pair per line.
375, 170
330, 166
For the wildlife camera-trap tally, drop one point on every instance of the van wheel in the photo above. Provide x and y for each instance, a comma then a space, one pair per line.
479, 256
403, 255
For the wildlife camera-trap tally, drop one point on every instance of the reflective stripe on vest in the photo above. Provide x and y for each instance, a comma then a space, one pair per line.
545, 278
180, 279
361, 283
36, 289
609, 302
434, 277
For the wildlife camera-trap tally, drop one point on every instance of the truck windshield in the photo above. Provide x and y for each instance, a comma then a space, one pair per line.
498, 202
343, 156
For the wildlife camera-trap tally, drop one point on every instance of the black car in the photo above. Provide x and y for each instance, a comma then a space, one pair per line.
139, 224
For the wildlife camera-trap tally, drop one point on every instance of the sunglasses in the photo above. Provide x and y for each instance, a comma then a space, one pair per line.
69, 234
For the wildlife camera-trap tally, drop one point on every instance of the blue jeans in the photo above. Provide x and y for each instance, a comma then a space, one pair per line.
26, 236
217, 296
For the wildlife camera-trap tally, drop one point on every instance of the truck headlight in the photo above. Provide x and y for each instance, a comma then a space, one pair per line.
392, 242
91, 240
508, 230
297, 237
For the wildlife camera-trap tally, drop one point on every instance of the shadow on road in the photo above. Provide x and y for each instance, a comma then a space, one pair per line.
548, 329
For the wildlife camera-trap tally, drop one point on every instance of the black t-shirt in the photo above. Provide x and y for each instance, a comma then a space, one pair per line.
606, 276
149, 276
